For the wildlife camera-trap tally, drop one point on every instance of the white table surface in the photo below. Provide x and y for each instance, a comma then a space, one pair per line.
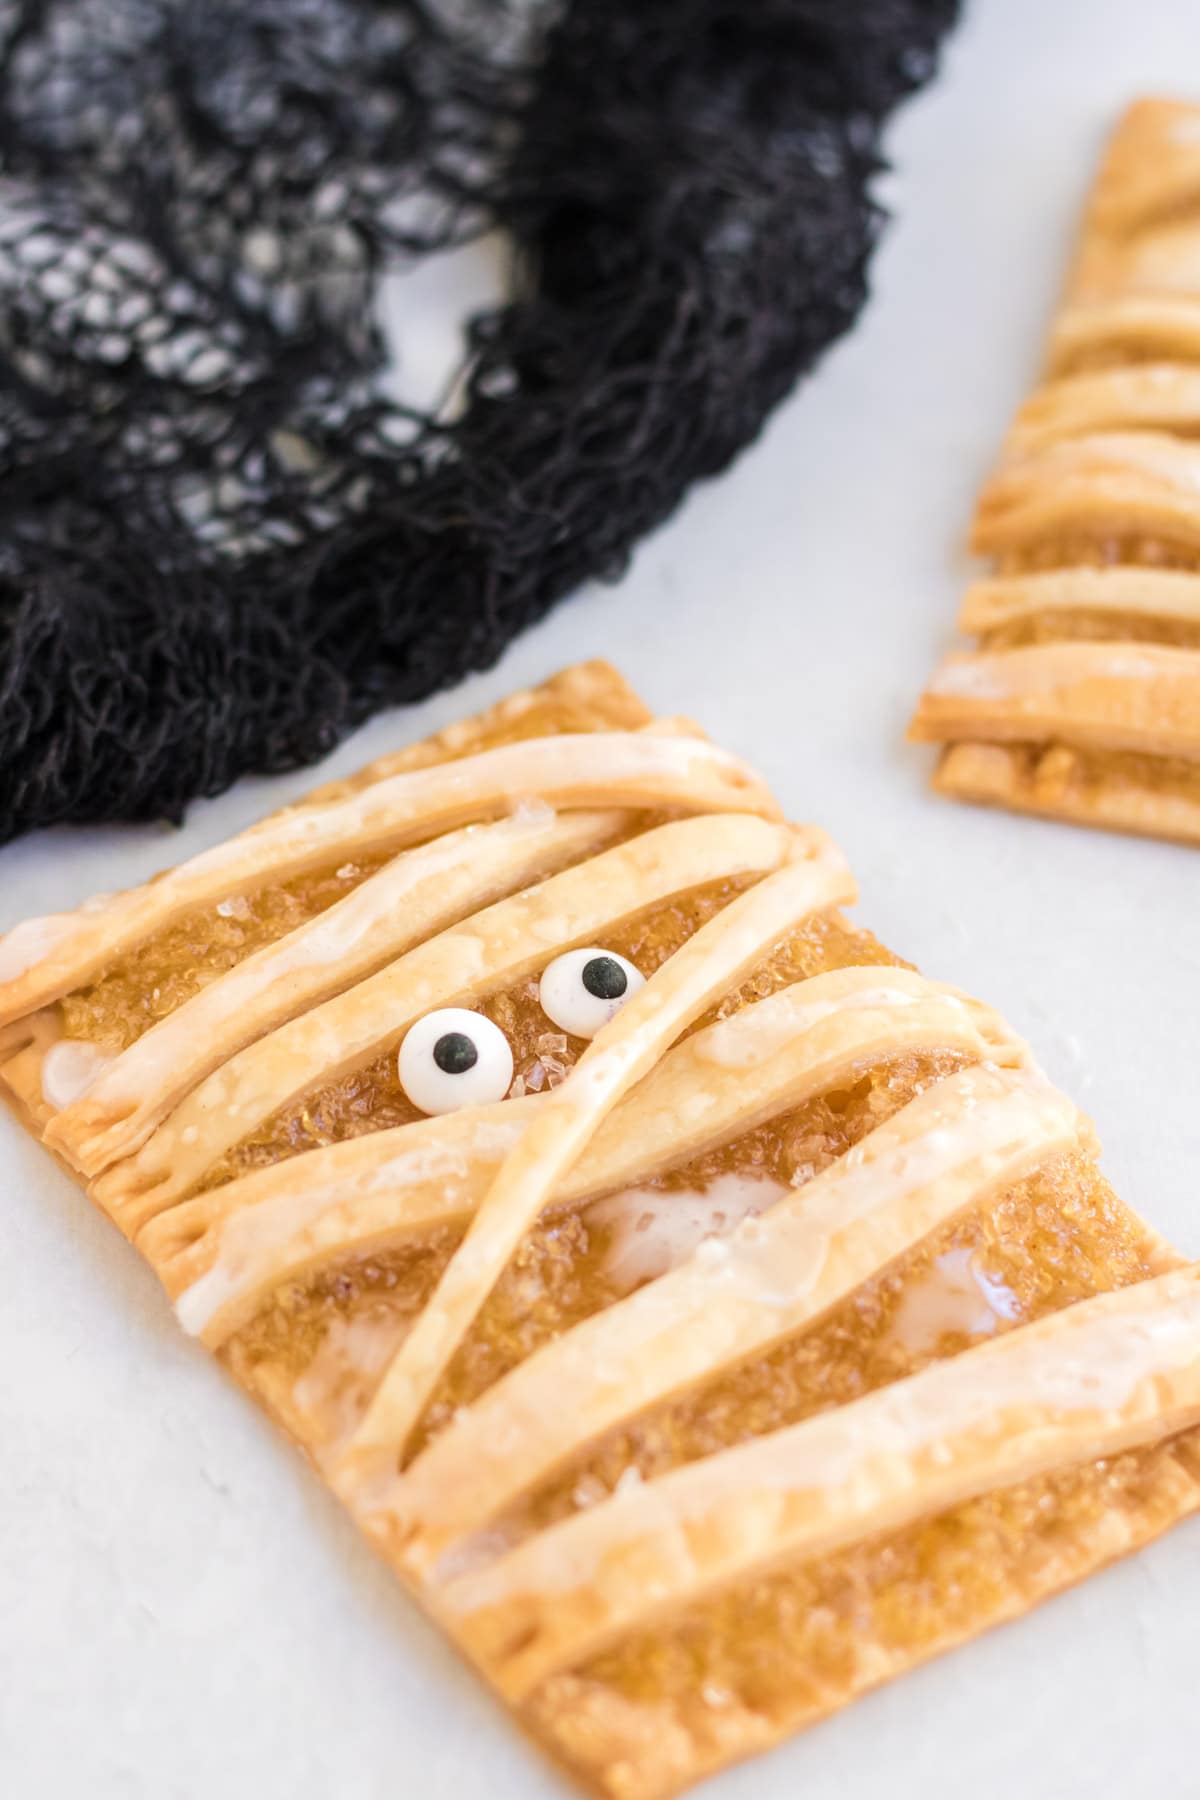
183, 1611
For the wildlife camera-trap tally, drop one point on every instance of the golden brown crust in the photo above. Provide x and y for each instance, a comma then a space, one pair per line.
1083, 702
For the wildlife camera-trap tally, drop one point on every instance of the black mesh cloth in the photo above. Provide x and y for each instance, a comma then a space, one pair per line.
220, 547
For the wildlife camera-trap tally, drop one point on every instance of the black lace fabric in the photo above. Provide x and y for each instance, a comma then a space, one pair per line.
221, 546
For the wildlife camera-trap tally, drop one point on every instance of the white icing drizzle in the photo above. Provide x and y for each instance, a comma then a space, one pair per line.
338, 1382
977, 677
1163, 378
1041, 668
1125, 665
1171, 460
1185, 129
531, 814
248, 1244
757, 1033
70, 1068
27, 943
652, 1229
34, 939
956, 1294
1165, 261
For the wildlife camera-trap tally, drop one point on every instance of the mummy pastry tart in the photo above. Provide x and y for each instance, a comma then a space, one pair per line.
706, 1315
1082, 699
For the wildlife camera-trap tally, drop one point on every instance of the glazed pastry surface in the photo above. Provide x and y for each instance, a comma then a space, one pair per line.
1081, 700
706, 1316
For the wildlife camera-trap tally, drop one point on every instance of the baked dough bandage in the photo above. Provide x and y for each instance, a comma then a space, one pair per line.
1087, 1382
1083, 699
743, 1354
491, 948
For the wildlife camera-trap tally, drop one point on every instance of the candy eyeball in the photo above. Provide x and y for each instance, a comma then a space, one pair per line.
582, 990
454, 1058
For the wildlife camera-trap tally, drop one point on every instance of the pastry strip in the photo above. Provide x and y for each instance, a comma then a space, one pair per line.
1159, 595
1143, 396
499, 945
587, 696
222, 1253
960, 1141
1104, 486
1059, 784
45, 958
1158, 327
710, 963
1115, 696
418, 894
1089, 1381
1160, 259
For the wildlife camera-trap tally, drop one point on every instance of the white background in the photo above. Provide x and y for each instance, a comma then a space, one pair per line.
183, 1610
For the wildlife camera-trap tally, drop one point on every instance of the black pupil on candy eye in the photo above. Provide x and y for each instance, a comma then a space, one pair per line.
454, 1054
604, 977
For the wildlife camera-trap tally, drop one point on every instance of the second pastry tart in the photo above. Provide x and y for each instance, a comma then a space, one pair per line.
1081, 700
